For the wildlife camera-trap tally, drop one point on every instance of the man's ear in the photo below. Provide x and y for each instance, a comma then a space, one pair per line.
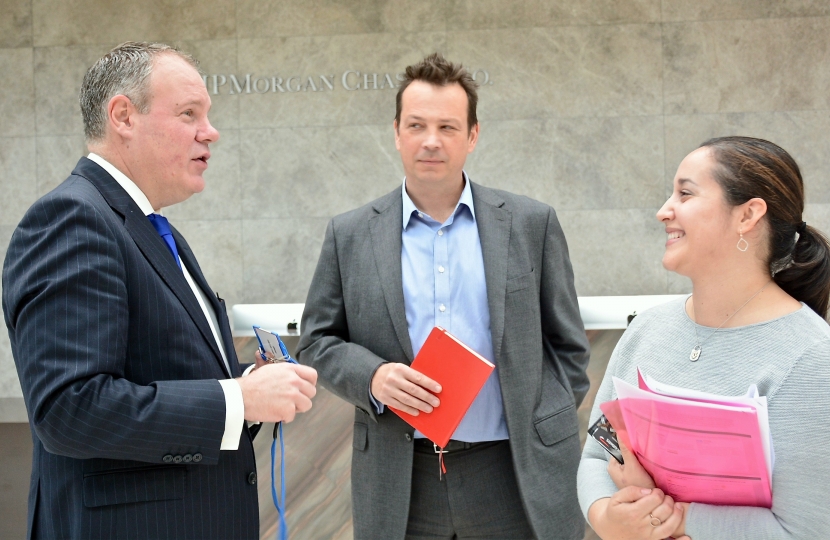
473, 137
120, 115
397, 134
750, 214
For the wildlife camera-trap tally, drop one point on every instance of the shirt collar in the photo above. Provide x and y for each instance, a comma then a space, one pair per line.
129, 186
466, 199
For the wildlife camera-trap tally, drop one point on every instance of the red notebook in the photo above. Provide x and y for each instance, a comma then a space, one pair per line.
460, 371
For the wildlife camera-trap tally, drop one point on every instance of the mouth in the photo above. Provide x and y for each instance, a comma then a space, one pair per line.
203, 158
674, 235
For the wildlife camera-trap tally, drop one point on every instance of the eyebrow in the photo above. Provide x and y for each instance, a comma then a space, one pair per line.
682, 181
442, 120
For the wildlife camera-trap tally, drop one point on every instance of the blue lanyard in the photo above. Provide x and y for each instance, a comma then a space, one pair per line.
279, 503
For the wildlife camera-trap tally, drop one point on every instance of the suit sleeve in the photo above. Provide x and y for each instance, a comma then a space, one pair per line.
65, 300
562, 329
324, 344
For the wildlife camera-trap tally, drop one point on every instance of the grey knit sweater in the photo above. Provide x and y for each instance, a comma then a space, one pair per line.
789, 359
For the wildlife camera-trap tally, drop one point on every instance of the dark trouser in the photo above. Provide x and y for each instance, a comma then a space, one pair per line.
477, 498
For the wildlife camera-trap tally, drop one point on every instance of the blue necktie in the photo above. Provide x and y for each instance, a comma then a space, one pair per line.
162, 227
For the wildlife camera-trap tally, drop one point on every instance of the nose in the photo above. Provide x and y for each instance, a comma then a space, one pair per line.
208, 134
666, 211
432, 141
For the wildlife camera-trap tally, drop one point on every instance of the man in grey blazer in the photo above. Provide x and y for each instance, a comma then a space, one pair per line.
493, 269
134, 392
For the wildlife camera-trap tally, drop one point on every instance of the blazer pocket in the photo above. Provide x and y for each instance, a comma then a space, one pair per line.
558, 426
361, 436
134, 485
519, 283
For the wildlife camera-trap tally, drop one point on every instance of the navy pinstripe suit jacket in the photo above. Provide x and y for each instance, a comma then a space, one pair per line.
119, 369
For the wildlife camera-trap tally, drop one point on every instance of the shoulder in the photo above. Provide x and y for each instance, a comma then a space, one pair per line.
660, 323
360, 216
516, 204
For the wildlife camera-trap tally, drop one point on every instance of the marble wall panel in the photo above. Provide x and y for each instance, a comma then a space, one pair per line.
217, 56
221, 198
683, 10
329, 17
57, 22
17, 178
280, 265
480, 14
17, 105
218, 246
801, 133
16, 23
565, 72
9, 381
514, 155
56, 158
615, 252
316, 172
58, 75
747, 65
818, 216
575, 163
330, 56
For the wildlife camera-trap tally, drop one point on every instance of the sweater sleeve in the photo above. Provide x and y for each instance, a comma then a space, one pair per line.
593, 481
798, 414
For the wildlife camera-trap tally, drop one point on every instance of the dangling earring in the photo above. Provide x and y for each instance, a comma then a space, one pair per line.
743, 245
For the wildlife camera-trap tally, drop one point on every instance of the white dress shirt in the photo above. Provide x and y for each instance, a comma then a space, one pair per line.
234, 406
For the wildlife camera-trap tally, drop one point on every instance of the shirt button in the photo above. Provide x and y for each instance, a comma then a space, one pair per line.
440, 232
441, 269
420, 215
197, 457
167, 459
442, 308
408, 437
187, 458
252, 478
177, 459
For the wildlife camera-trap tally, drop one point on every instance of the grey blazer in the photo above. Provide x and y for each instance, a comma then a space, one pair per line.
354, 321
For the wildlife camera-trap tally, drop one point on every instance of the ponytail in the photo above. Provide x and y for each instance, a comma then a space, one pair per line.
807, 276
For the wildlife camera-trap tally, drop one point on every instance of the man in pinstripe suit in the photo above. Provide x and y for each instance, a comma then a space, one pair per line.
134, 393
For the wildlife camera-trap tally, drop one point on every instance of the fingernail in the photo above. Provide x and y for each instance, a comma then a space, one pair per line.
678, 506
438, 388
645, 491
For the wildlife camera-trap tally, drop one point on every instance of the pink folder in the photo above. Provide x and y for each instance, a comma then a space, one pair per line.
707, 451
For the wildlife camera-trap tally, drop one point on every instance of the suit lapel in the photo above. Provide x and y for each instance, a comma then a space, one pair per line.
189, 260
385, 229
494, 223
151, 245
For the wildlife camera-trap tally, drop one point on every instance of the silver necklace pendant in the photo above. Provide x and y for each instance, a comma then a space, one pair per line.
695, 354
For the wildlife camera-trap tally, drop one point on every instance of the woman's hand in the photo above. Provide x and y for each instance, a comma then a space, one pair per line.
635, 513
631, 473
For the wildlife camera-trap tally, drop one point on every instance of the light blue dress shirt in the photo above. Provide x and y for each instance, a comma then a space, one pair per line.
443, 285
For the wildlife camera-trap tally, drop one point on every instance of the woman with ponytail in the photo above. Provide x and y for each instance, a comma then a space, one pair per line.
760, 289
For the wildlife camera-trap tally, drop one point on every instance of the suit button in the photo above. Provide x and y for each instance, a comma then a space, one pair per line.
187, 458
167, 459
177, 459
252, 478
197, 457
408, 437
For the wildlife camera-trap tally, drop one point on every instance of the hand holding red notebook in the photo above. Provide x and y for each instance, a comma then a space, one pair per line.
460, 371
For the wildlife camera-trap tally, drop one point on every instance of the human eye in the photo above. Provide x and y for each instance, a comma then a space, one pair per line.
189, 113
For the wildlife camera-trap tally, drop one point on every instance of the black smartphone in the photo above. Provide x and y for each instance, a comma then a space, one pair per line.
606, 436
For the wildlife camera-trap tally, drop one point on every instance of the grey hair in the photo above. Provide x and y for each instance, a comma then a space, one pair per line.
124, 70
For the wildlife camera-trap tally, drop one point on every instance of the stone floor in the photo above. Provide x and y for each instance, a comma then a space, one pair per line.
318, 455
